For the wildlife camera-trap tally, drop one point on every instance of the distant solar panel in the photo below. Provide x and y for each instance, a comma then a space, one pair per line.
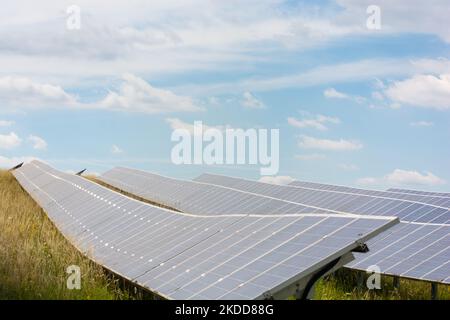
186, 256
197, 197
417, 248
338, 201
424, 193
419, 198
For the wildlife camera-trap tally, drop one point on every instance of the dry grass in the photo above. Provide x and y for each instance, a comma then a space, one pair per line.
34, 255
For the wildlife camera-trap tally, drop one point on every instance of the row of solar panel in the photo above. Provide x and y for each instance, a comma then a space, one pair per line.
406, 210
433, 200
424, 193
192, 256
412, 255
198, 198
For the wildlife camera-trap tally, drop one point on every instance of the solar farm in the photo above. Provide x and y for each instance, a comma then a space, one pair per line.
220, 237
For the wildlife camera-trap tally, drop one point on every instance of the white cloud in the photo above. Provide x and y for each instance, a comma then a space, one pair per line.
309, 157
348, 167
130, 36
367, 181
176, 123
6, 123
136, 94
421, 124
115, 149
9, 162
318, 122
308, 142
332, 93
9, 141
401, 177
23, 92
377, 96
280, 180
320, 75
250, 101
427, 91
38, 142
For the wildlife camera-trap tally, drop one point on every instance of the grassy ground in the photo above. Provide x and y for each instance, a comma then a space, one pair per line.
34, 257
346, 285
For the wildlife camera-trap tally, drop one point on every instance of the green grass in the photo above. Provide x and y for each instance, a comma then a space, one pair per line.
34, 257
347, 285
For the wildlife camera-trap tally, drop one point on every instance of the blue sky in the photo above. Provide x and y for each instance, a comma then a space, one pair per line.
354, 106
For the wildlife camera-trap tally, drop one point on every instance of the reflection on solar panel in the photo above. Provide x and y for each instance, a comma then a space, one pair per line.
424, 193
196, 197
186, 256
419, 247
433, 200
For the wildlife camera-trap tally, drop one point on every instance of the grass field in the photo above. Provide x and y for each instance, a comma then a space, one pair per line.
34, 257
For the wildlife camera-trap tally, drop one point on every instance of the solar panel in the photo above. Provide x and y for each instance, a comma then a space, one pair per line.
410, 249
420, 198
187, 256
197, 197
417, 251
424, 193
338, 201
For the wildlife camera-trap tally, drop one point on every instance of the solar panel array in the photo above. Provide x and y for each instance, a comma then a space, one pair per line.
186, 256
197, 197
338, 201
419, 247
427, 199
424, 193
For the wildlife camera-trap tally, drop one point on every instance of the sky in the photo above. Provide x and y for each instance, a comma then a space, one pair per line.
358, 101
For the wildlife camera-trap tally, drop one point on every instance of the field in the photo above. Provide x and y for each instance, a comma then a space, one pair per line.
34, 257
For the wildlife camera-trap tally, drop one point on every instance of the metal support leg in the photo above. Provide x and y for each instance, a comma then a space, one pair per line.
434, 291
396, 283
360, 277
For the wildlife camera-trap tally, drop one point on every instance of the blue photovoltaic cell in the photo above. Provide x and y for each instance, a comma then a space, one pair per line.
187, 256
